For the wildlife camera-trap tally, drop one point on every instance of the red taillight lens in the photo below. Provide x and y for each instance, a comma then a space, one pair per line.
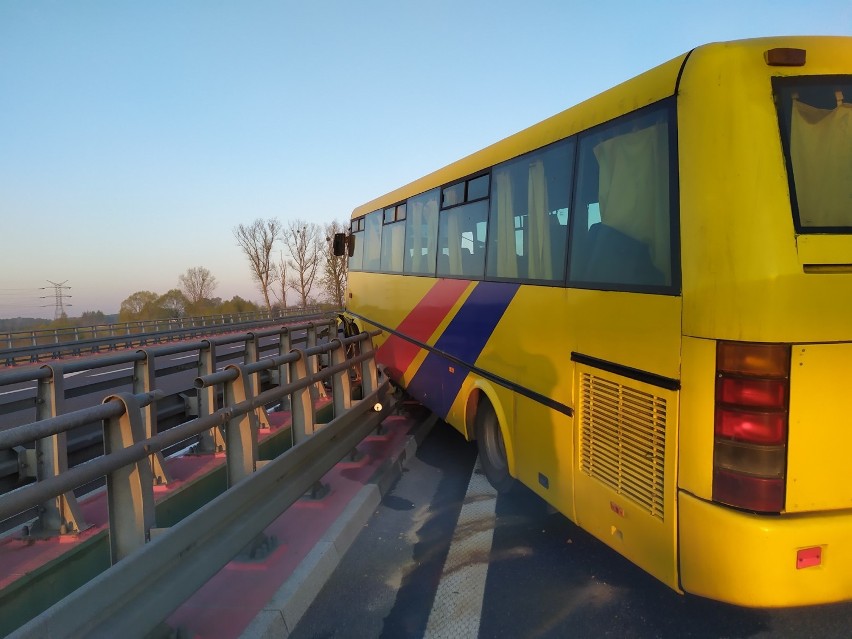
752, 396
754, 493
749, 426
762, 393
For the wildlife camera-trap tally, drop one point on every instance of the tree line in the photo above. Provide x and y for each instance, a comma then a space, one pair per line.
305, 262
296, 257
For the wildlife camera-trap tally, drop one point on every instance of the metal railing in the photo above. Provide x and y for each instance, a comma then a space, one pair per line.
31, 346
49, 457
154, 570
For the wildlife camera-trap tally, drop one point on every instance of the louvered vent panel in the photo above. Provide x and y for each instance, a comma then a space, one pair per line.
622, 440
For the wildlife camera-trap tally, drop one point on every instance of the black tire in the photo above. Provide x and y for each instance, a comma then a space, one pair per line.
492, 449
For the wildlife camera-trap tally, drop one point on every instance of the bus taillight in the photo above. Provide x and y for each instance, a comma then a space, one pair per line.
750, 445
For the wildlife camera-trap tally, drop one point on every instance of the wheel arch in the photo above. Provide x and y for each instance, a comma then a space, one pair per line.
501, 402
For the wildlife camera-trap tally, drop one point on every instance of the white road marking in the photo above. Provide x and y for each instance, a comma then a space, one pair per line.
457, 609
173, 359
18, 390
117, 370
76, 373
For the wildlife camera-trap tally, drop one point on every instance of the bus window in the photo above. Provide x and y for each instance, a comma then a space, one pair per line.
421, 234
356, 260
393, 239
816, 126
373, 241
461, 240
623, 179
528, 229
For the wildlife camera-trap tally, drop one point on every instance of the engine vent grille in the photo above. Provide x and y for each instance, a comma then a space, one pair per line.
622, 440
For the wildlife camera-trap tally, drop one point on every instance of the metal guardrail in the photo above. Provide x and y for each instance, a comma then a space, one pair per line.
155, 570
49, 457
32, 346
36, 337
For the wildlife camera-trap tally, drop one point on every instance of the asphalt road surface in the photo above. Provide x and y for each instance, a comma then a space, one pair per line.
444, 557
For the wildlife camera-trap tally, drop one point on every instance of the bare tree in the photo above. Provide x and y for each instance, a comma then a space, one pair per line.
256, 241
303, 242
281, 278
197, 284
335, 267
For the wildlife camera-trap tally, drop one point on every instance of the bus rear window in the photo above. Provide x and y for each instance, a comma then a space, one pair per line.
815, 115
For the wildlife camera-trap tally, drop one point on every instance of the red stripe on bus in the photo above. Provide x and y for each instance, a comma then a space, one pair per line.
397, 353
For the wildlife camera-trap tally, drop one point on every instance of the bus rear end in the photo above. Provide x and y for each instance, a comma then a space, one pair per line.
765, 437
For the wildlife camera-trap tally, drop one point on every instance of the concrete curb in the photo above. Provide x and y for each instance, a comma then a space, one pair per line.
287, 606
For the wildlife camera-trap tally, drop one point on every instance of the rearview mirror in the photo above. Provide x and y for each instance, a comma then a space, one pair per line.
338, 246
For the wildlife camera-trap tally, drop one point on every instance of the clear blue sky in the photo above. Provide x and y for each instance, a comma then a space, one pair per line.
135, 135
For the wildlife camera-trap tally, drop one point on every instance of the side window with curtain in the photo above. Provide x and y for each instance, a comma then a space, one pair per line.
373, 241
393, 239
528, 229
621, 229
421, 234
462, 229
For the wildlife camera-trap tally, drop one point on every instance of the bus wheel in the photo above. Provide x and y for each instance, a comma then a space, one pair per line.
492, 449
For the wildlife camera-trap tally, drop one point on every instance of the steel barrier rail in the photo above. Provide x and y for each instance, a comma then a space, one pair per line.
76, 333
12, 356
150, 580
49, 459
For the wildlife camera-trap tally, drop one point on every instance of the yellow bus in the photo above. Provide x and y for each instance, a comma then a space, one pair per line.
641, 309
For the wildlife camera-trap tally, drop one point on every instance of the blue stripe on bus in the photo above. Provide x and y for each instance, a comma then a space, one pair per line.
438, 380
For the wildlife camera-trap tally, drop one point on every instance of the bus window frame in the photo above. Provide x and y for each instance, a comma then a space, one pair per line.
781, 86
669, 107
572, 141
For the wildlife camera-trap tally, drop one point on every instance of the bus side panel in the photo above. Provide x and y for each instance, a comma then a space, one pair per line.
545, 452
625, 487
697, 406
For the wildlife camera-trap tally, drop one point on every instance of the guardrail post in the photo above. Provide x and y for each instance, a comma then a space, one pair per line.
61, 515
369, 373
130, 490
252, 354
301, 403
211, 441
317, 390
341, 389
285, 345
144, 382
240, 430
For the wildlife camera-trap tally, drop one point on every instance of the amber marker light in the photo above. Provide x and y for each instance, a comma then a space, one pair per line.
785, 57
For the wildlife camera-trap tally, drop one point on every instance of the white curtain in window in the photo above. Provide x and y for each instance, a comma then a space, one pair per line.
507, 261
821, 149
540, 262
415, 230
633, 189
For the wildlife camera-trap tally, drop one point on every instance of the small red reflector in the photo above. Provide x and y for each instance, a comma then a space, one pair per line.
807, 557
785, 57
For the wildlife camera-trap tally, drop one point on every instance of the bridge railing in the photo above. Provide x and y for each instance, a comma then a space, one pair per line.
154, 570
33, 346
48, 456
